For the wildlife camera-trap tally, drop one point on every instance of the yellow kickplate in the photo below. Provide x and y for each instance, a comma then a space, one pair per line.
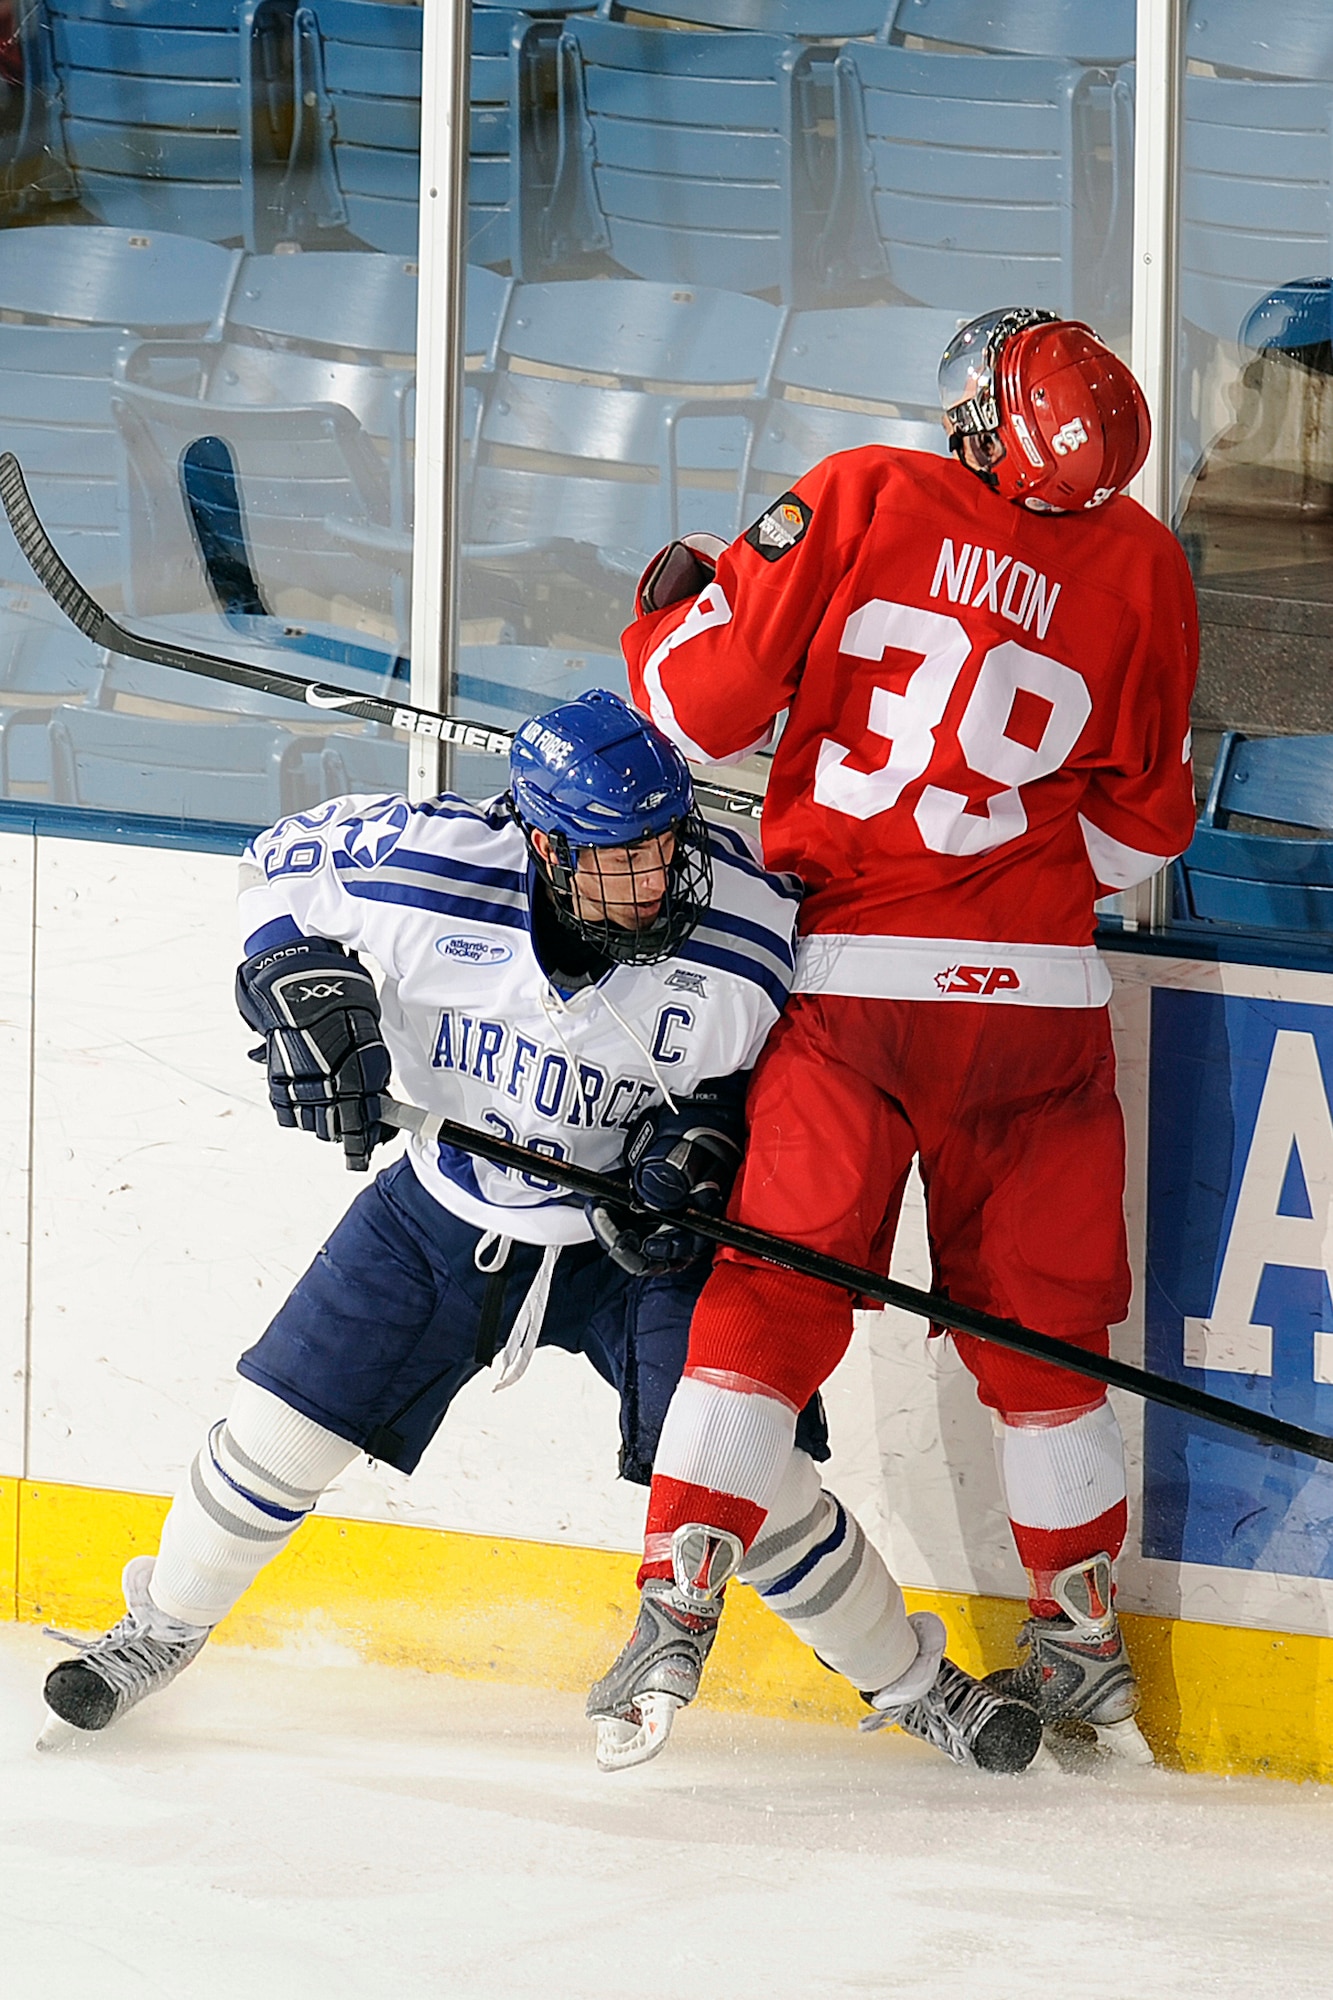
1215, 1698
9, 1547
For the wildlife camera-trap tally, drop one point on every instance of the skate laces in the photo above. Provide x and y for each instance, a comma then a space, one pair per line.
951, 1716
131, 1658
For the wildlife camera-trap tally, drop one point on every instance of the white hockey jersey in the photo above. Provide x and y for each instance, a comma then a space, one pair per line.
438, 895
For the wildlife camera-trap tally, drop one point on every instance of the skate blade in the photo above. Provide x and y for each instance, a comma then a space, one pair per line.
1045, 1760
57, 1734
621, 1744
1124, 1743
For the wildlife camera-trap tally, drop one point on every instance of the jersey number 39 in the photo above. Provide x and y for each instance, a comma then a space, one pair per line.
909, 720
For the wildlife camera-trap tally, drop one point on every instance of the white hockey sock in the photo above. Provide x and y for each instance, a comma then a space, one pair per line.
1060, 1474
814, 1566
257, 1477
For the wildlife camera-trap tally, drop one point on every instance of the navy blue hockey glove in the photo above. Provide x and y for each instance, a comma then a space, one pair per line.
317, 1009
675, 1160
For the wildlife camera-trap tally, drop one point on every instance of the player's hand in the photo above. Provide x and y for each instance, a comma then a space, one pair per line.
686, 1158
317, 1009
682, 569
639, 1245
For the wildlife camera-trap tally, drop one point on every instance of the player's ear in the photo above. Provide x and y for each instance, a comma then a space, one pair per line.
541, 844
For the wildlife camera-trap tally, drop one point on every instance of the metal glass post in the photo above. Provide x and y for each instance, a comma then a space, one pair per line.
443, 225
1159, 71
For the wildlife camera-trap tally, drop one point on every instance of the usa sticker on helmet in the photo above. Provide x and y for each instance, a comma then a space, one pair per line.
781, 528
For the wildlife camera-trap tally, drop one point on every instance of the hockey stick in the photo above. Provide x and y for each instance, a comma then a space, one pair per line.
96, 624
212, 495
432, 1128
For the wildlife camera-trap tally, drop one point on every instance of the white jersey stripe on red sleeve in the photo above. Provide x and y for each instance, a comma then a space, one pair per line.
709, 609
1115, 864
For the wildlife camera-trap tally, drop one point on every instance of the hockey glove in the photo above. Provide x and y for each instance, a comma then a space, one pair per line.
317, 1009
682, 569
686, 1158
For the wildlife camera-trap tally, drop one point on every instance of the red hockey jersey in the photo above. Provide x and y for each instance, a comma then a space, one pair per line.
987, 720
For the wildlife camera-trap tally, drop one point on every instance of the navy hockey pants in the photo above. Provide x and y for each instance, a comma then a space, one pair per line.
381, 1333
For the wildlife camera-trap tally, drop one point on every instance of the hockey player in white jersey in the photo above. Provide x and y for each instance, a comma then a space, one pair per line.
583, 967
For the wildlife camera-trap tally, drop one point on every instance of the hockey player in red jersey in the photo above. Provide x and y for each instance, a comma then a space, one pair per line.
985, 664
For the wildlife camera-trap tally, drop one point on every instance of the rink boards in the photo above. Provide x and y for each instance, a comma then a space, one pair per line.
152, 1217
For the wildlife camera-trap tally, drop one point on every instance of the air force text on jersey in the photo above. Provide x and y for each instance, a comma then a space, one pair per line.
438, 896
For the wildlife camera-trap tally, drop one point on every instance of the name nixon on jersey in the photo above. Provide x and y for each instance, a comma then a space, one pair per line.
1027, 598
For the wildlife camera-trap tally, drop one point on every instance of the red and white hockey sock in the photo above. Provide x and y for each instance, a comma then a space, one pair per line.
724, 1448
1063, 1477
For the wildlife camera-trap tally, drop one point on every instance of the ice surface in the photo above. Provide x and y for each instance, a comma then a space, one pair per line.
310, 1829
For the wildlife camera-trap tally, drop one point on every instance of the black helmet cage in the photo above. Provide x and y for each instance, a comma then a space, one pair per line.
688, 893
978, 415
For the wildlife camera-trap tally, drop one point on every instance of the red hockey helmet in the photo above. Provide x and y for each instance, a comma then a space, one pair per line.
1069, 417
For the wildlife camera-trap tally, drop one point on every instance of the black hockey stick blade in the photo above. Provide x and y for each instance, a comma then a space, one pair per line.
933, 1306
212, 497
212, 494
59, 581
55, 577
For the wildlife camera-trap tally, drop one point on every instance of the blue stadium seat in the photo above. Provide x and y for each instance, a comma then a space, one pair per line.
695, 158
504, 685
620, 412
362, 59
1294, 39
847, 377
964, 180
177, 118
810, 20
76, 301
155, 740
486, 298
316, 494
1101, 34
1258, 156
1256, 880
44, 663
311, 385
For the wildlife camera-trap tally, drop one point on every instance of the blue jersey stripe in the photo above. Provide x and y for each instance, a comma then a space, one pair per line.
833, 1540
741, 859
757, 934
731, 961
448, 805
282, 930
471, 909
515, 879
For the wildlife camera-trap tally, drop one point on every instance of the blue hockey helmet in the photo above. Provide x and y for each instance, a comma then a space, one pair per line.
1295, 320
594, 774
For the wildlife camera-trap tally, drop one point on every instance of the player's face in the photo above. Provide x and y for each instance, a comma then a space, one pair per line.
984, 452
623, 886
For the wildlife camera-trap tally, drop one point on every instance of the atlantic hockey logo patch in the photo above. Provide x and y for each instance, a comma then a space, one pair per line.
981, 979
477, 951
781, 528
687, 982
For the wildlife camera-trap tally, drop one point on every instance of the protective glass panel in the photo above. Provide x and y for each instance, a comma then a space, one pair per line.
207, 332
1255, 460
714, 241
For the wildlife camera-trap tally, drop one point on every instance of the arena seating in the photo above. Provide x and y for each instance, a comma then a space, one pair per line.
1252, 877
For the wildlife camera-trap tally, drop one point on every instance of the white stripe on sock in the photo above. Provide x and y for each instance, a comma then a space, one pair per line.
1059, 1476
253, 1483
730, 1440
845, 1605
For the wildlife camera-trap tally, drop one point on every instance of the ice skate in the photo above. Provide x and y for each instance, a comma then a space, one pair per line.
1076, 1672
143, 1653
635, 1704
970, 1722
